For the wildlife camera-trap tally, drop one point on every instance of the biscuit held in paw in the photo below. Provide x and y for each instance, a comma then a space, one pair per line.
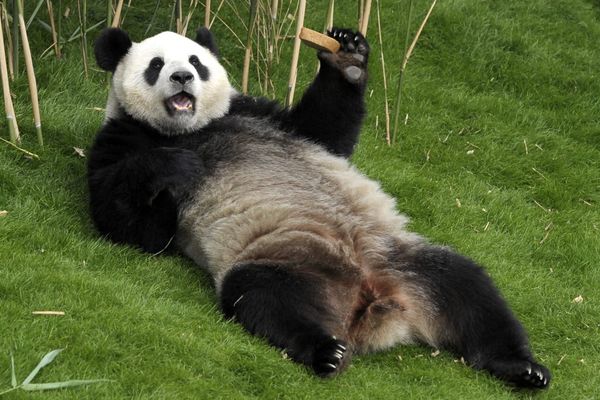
319, 40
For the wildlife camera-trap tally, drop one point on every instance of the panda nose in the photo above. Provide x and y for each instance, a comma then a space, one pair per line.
182, 77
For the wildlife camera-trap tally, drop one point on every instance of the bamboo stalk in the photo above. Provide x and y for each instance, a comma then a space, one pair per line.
15, 37
178, 16
401, 77
59, 25
31, 76
11, 120
274, 9
361, 10
407, 55
82, 11
188, 18
109, 12
207, 14
53, 27
153, 17
365, 18
34, 13
27, 152
385, 86
295, 55
116, 22
248, 54
329, 18
9, 51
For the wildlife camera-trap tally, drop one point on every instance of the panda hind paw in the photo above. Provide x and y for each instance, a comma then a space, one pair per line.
330, 357
522, 373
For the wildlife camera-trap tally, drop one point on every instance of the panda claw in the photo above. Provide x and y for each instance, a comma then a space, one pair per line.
330, 357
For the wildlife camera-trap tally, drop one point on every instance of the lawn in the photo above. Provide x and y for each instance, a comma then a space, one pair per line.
498, 156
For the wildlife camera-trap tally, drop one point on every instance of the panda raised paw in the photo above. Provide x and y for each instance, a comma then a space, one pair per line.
352, 57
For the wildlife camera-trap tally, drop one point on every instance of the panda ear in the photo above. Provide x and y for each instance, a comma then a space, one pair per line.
205, 38
110, 47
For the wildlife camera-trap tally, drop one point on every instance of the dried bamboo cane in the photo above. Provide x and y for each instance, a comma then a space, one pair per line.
15, 37
179, 16
186, 20
53, 28
295, 55
11, 121
9, 50
31, 76
248, 54
274, 9
385, 86
401, 77
405, 61
365, 18
329, 18
116, 22
361, 10
207, 14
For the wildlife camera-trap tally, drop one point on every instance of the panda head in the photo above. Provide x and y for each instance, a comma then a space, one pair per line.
174, 84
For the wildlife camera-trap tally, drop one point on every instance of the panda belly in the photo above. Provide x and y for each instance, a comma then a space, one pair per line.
313, 210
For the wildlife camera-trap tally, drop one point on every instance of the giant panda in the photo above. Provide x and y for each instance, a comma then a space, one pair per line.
304, 250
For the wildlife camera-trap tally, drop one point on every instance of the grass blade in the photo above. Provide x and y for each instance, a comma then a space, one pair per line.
13, 376
31, 387
47, 359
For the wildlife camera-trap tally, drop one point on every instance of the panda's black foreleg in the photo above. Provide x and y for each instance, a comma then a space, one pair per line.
290, 309
135, 200
332, 109
474, 321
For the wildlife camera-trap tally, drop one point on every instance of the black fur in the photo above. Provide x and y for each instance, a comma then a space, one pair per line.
287, 308
152, 73
205, 38
136, 180
478, 323
110, 47
203, 72
336, 100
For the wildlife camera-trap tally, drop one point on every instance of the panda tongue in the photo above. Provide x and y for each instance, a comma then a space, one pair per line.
181, 102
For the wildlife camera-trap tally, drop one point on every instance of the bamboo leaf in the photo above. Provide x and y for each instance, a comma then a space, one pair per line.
47, 359
30, 387
13, 376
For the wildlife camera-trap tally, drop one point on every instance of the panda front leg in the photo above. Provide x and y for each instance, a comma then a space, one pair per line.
332, 109
471, 318
135, 200
288, 306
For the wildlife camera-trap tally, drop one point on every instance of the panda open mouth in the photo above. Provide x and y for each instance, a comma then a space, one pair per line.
180, 103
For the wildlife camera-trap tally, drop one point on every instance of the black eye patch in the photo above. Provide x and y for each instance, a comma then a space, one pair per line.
153, 70
201, 68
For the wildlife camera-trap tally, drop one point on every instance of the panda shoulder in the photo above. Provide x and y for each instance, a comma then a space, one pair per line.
254, 106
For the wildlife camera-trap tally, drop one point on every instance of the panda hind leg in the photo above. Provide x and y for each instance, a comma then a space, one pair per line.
472, 320
290, 308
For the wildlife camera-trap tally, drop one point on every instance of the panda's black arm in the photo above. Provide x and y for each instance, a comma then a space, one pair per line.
330, 112
332, 109
136, 182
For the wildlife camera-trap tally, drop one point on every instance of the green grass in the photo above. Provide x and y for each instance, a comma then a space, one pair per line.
486, 76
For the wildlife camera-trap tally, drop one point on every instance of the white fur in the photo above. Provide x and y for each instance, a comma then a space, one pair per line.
131, 92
